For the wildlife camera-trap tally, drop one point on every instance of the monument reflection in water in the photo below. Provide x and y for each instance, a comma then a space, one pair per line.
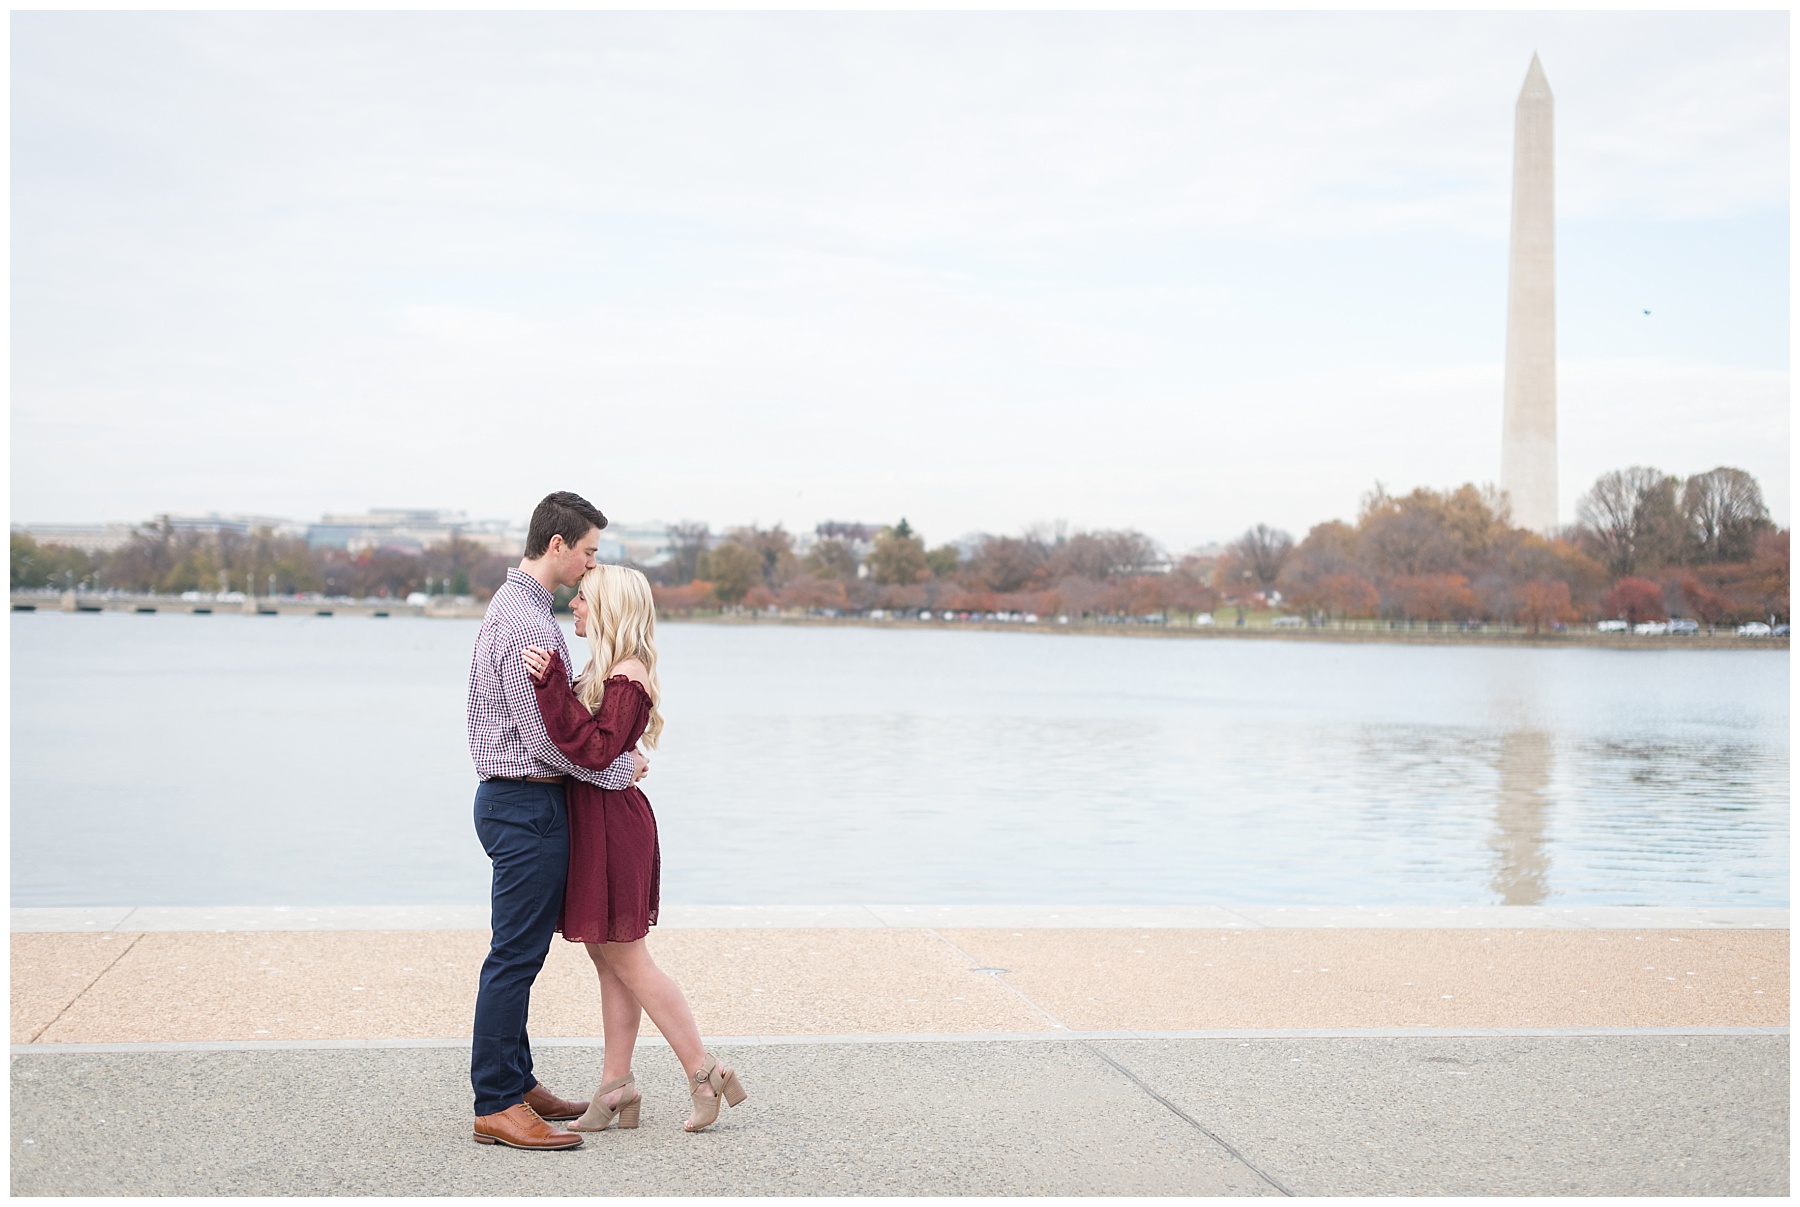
321, 761
1521, 876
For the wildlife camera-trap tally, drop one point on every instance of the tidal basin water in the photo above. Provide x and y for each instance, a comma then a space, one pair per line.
211, 760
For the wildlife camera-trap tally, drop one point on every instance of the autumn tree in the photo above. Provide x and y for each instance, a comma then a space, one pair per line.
1765, 577
1328, 551
1408, 536
1005, 563
1433, 596
944, 561
683, 599
774, 546
1701, 601
1343, 596
732, 569
832, 558
1544, 602
1635, 600
809, 593
460, 567
898, 557
49, 564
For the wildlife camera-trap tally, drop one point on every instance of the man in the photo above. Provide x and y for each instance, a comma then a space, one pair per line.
521, 818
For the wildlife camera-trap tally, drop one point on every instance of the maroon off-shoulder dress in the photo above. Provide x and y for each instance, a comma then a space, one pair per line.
615, 865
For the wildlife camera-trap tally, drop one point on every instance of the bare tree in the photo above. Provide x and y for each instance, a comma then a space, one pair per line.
1630, 519
1111, 554
1006, 563
1263, 551
1724, 511
689, 539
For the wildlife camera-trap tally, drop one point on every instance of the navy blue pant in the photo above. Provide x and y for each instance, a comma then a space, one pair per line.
525, 828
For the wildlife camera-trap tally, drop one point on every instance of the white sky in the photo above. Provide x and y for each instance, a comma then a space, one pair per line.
1178, 271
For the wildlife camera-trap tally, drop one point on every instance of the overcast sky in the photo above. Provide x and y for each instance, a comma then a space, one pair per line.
1177, 271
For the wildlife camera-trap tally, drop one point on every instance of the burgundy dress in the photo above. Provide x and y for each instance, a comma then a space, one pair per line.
615, 865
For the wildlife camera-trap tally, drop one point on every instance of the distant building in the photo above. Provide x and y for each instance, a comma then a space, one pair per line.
105, 538
640, 544
413, 530
211, 522
858, 535
89, 538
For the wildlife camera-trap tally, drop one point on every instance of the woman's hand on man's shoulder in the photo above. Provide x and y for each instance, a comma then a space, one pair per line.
633, 669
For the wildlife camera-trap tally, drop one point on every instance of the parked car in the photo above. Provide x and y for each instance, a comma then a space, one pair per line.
1755, 628
1203, 618
1611, 626
1651, 628
1682, 624
1780, 630
1287, 622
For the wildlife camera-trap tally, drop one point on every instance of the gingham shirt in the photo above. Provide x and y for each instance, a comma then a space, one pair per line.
506, 731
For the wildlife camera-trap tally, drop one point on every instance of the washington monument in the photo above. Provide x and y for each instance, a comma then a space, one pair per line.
1528, 429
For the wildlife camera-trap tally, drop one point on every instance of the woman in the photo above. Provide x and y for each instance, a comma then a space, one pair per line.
614, 863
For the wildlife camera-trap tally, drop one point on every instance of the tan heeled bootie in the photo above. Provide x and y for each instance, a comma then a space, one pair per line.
599, 1116
724, 1084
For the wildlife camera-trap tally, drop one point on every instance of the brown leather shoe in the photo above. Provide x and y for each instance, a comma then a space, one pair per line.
520, 1127
549, 1106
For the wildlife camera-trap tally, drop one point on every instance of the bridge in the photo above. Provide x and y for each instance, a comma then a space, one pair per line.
277, 605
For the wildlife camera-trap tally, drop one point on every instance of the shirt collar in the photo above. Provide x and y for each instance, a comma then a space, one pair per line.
532, 587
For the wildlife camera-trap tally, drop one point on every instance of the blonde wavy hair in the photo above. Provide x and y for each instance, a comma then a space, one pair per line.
621, 624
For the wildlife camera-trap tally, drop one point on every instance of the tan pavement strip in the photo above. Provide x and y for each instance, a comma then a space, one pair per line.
199, 986
1196, 980
176, 987
50, 971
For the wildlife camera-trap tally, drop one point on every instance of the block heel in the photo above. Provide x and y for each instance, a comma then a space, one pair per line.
724, 1085
599, 1116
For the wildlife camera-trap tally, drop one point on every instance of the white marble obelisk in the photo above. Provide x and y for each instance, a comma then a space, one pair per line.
1528, 430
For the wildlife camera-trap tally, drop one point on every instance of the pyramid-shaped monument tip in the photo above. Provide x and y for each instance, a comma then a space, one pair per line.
1536, 82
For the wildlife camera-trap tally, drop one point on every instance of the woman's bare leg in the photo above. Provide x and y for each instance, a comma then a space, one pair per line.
662, 1000
621, 1013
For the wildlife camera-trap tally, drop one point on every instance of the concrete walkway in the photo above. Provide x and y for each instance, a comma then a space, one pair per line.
1701, 1115
912, 1050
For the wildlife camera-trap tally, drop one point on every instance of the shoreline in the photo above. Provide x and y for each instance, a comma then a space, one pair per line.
855, 916
1572, 639
386, 609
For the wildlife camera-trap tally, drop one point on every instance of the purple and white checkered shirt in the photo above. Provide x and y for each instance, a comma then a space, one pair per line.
506, 731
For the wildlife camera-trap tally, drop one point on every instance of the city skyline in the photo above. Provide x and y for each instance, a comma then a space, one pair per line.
1179, 272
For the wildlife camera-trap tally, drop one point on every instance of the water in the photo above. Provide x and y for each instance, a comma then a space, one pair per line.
185, 760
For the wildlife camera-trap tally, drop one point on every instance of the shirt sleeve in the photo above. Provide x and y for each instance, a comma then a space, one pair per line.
521, 702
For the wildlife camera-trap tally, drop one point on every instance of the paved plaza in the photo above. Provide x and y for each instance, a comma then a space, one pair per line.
910, 1050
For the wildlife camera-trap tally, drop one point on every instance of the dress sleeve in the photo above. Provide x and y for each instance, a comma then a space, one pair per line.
588, 740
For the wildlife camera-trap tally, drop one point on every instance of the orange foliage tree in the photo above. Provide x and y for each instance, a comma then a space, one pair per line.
1433, 596
1634, 599
683, 599
1545, 601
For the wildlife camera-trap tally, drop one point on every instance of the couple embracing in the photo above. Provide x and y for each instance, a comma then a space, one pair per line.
571, 838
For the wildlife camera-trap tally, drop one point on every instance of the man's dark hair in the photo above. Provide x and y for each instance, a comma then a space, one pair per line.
565, 514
